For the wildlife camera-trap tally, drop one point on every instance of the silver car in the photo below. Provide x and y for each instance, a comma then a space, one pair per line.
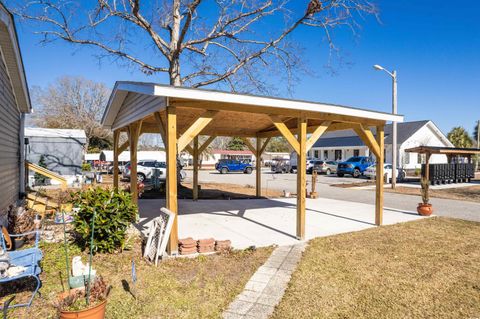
324, 167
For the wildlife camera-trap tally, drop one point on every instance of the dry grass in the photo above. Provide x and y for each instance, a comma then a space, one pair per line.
468, 193
180, 288
424, 269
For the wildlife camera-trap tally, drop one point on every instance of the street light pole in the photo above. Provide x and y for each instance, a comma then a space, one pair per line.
393, 74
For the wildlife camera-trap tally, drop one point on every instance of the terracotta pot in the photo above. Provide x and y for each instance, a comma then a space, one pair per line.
97, 312
425, 209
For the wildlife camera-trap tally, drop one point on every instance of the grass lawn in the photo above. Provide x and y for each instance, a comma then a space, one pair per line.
178, 288
423, 269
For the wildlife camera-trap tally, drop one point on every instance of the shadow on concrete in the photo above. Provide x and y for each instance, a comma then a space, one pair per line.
233, 208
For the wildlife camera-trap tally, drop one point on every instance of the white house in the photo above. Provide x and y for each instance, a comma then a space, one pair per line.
341, 145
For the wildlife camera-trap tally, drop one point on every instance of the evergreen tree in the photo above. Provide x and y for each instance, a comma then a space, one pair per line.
459, 137
39, 178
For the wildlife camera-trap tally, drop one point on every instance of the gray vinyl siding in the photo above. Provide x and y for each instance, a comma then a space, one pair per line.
136, 107
9, 142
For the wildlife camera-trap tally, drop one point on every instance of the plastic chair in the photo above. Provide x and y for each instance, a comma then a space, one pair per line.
28, 258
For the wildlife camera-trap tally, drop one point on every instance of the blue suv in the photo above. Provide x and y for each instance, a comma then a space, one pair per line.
354, 166
225, 166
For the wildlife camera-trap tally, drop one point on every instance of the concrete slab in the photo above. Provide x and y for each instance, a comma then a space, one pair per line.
265, 222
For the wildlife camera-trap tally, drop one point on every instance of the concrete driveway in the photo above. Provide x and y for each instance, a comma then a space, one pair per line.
264, 222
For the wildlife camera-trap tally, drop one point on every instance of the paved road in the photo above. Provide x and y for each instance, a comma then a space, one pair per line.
443, 207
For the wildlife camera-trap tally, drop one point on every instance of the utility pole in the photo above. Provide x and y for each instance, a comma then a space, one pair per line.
394, 130
478, 143
393, 74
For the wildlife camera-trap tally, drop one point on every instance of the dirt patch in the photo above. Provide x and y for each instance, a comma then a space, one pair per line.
350, 185
468, 193
422, 269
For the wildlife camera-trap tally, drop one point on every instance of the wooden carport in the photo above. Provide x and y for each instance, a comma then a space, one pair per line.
181, 114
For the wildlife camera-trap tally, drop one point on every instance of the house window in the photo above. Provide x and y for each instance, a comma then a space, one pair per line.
356, 152
384, 155
325, 155
338, 155
407, 158
419, 158
315, 154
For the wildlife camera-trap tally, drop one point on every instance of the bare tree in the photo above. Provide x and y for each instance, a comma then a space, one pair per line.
73, 103
196, 43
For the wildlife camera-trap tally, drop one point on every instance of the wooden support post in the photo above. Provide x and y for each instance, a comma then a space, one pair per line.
301, 175
258, 168
195, 168
379, 177
171, 147
427, 166
133, 134
116, 135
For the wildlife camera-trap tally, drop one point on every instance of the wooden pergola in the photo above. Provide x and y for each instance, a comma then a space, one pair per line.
181, 115
450, 152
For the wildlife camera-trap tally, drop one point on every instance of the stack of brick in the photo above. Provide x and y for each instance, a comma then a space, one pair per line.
187, 246
223, 245
206, 245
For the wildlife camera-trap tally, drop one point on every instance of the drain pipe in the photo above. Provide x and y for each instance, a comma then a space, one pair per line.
22, 156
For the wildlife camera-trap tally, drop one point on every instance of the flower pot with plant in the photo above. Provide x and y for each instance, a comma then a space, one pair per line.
425, 208
84, 303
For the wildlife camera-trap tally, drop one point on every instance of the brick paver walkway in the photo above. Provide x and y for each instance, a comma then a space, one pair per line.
266, 287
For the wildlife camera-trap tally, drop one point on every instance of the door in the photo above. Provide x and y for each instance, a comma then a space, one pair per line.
338, 155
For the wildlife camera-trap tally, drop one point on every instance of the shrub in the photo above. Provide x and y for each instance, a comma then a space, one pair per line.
114, 213
86, 167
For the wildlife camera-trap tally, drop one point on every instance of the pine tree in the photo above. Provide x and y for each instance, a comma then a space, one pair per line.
39, 178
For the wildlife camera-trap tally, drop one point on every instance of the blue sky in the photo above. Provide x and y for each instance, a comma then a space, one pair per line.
433, 45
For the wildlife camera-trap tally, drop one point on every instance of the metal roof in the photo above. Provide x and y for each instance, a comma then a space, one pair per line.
54, 132
404, 131
231, 101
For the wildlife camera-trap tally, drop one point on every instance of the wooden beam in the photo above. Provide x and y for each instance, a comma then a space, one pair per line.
367, 137
258, 168
277, 121
379, 180
206, 144
322, 128
172, 205
257, 109
123, 147
195, 168
161, 127
195, 129
133, 134
249, 145
116, 136
301, 176
262, 149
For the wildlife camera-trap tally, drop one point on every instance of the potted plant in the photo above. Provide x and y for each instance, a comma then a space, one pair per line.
84, 303
89, 301
425, 208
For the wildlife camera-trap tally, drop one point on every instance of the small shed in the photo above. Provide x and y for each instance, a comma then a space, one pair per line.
181, 114
61, 150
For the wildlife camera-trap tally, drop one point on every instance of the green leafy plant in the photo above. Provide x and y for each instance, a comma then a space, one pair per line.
115, 211
86, 167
